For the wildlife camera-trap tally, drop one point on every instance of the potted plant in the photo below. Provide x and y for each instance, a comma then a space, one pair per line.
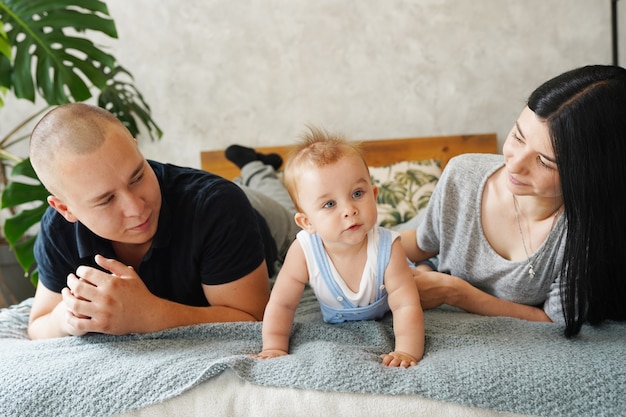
45, 53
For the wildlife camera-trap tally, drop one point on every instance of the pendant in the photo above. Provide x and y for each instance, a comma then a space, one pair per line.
531, 271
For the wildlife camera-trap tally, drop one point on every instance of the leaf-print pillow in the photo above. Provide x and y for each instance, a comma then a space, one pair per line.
404, 189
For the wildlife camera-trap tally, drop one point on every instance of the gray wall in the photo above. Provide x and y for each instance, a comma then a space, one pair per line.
218, 72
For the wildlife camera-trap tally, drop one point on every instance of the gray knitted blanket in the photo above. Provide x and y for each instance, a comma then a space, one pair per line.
496, 363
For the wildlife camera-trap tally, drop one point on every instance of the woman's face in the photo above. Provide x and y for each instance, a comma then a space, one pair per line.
529, 158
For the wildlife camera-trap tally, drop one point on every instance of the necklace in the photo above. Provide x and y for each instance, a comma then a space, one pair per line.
531, 269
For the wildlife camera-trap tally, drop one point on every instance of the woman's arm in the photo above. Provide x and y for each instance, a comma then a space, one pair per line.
412, 250
436, 288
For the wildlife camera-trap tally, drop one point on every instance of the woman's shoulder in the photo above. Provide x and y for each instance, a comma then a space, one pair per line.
471, 167
476, 160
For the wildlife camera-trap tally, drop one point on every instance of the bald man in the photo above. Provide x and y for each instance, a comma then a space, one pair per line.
134, 246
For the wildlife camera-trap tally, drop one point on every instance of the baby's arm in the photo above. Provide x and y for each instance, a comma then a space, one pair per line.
408, 318
284, 300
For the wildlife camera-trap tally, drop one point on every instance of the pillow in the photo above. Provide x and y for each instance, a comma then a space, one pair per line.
404, 189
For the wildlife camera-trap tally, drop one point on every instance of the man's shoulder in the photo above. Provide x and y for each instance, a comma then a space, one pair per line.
175, 178
190, 192
53, 219
165, 170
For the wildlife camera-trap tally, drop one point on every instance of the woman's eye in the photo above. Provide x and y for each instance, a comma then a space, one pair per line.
544, 164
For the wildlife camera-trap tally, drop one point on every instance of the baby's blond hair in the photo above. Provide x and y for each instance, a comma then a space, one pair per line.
317, 148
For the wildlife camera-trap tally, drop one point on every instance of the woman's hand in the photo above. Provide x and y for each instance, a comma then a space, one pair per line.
435, 288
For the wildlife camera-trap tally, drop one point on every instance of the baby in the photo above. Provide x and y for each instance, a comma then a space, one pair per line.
357, 270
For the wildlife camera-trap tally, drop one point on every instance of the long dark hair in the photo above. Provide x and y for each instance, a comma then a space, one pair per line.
585, 110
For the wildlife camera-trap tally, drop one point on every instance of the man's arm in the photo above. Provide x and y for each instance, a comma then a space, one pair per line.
48, 315
120, 303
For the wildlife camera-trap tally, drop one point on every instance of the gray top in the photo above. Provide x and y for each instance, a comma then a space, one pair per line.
452, 227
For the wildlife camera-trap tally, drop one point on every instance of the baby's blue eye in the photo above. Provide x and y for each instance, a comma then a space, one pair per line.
329, 204
357, 194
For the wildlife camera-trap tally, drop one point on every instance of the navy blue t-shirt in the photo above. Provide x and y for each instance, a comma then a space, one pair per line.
207, 233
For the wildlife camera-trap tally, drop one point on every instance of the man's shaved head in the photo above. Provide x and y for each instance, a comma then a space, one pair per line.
76, 128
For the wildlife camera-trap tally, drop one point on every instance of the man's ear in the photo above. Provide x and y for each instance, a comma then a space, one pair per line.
57, 204
303, 221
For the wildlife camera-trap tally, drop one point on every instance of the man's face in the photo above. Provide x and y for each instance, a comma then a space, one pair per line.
112, 191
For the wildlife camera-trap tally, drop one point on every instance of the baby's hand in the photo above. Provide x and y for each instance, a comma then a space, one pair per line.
270, 353
398, 359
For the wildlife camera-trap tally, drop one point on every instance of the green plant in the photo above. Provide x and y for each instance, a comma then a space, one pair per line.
45, 52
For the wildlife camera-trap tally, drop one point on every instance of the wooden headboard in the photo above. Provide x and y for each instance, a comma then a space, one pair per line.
377, 152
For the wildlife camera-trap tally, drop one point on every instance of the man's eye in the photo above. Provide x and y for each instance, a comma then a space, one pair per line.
106, 201
138, 178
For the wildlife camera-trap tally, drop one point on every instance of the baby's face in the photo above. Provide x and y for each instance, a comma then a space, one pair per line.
338, 200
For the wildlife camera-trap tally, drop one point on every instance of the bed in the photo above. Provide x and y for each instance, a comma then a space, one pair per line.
473, 366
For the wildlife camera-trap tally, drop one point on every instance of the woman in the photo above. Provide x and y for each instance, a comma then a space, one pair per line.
539, 234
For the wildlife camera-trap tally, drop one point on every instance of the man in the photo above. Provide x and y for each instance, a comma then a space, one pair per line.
132, 246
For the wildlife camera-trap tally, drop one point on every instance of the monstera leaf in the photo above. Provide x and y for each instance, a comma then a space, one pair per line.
25, 190
46, 52
47, 58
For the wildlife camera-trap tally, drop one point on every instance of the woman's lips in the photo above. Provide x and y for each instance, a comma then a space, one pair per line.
514, 181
